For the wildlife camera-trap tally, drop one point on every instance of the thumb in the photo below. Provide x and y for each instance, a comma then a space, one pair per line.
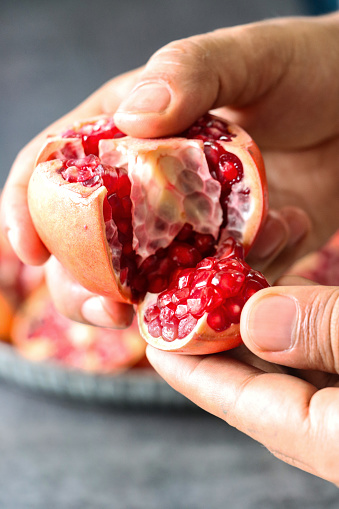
295, 326
188, 77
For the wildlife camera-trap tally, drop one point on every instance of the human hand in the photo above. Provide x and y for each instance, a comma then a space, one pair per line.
282, 387
252, 82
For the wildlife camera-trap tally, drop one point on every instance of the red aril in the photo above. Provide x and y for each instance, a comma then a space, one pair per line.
132, 215
206, 318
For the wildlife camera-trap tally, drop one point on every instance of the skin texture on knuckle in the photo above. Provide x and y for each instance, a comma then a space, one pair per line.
186, 62
318, 330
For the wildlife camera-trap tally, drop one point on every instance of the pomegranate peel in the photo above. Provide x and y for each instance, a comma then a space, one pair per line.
126, 215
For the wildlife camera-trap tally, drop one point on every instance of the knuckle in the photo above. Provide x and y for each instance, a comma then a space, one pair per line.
320, 329
191, 56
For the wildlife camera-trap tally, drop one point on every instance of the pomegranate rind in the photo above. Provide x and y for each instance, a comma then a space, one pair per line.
203, 340
69, 220
254, 180
77, 345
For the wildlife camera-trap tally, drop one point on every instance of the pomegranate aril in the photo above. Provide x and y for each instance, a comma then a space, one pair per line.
107, 211
180, 295
170, 330
124, 185
151, 313
231, 248
232, 308
164, 299
181, 311
149, 264
253, 286
92, 133
184, 255
218, 320
229, 282
154, 328
232, 264
166, 315
91, 181
157, 284
202, 278
206, 263
110, 181
186, 326
184, 278
204, 243
230, 168
185, 233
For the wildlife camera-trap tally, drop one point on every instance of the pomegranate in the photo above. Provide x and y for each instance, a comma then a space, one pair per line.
126, 216
40, 333
321, 266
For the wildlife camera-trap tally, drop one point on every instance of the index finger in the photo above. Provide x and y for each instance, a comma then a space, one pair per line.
294, 420
15, 218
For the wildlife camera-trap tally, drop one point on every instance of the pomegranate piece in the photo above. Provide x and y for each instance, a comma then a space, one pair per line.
40, 333
209, 308
141, 213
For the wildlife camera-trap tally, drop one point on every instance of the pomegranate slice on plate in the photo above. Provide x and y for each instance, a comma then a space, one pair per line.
124, 215
40, 333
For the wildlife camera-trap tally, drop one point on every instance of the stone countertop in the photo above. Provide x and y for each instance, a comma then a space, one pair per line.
57, 453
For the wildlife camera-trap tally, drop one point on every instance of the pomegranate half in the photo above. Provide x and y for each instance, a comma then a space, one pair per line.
126, 216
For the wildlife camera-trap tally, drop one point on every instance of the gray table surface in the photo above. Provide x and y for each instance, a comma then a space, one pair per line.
57, 453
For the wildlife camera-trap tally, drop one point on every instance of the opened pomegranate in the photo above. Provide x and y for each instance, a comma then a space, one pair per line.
40, 333
125, 216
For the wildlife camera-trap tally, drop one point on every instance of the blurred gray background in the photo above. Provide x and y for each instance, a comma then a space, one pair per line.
57, 454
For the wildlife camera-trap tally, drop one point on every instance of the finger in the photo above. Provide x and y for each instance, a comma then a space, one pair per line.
296, 326
294, 421
15, 218
253, 69
77, 303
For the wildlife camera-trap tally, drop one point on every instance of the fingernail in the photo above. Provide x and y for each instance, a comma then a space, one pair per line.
271, 238
271, 322
148, 98
93, 311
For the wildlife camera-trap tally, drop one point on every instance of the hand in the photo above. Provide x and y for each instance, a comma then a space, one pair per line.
272, 78
293, 412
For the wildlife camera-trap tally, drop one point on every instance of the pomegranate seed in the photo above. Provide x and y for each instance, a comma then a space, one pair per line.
202, 278
151, 313
157, 284
233, 309
184, 277
180, 295
164, 299
228, 282
207, 263
166, 315
170, 330
217, 320
181, 311
186, 326
184, 255
185, 233
204, 243
154, 328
